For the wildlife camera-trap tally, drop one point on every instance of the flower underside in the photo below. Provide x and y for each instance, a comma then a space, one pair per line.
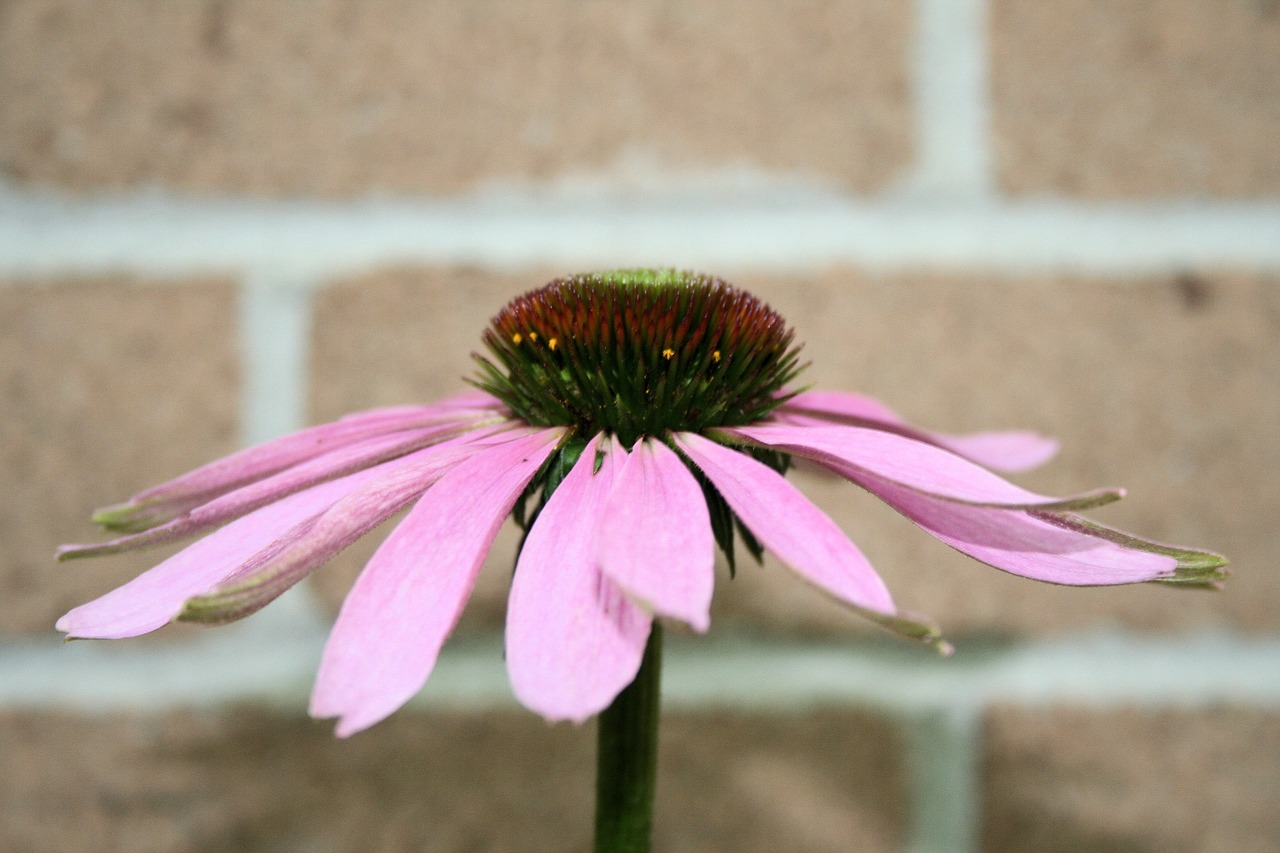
639, 352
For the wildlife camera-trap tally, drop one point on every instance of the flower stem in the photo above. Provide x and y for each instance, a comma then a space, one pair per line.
627, 759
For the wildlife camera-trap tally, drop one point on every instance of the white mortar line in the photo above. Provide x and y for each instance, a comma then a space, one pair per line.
275, 328
788, 231
951, 100
275, 337
944, 756
261, 660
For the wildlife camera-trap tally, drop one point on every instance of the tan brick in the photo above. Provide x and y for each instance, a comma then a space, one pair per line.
109, 386
1132, 780
1107, 99
393, 96
252, 781
1152, 384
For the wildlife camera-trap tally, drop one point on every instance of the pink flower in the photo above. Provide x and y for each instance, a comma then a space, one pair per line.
648, 415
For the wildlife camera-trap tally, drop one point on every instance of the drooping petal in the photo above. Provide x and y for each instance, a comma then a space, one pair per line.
344, 459
155, 597
408, 598
160, 503
1195, 567
655, 538
856, 452
1019, 543
395, 486
573, 640
800, 534
1011, 451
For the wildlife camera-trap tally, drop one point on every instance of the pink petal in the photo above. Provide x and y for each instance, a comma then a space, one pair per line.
155, 597
573, 639
253, 463
1011, 451
364, 453
789, 525
856, 452
395, 484
1018, 543
655, 540
408, 598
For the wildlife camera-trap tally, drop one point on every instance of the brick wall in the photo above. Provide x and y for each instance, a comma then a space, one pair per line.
222, 220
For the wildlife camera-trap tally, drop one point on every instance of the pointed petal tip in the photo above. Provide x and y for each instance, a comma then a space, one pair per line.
346, 727
912, 626
64, 553
130, 517
350, 721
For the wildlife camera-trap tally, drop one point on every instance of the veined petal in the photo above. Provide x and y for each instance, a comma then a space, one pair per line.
408, 598
395, 486
1195, 568
655, 537
154, 598
1011, 451
573, 640
342, 460
855, 452
1020, 543
800, 534
168, 500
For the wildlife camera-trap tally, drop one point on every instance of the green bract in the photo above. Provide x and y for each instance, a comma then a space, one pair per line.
639, 352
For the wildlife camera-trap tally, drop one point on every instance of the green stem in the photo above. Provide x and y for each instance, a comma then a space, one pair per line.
627, 760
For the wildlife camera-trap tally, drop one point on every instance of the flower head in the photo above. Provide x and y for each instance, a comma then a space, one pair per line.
632, 422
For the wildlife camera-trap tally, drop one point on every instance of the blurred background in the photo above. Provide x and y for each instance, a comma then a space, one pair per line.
220, 221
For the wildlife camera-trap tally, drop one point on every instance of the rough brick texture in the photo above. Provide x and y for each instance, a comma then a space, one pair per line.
1166, 406
1135, 781
109, 386
1106, 99
251, 781
342, 98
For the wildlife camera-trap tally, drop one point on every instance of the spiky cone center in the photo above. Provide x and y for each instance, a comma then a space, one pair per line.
639, 353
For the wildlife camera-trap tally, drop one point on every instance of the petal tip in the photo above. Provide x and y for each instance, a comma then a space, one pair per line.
64, 553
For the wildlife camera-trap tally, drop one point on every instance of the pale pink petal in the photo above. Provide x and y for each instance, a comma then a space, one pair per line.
655, 540
340, 461
856, 452
182, 493
1012, 451
788, 524
408, 598
155, 597
573, 639
395, 485
1018, 543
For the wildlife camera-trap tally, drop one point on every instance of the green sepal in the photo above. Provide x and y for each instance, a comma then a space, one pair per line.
561, 463
749, 540
722, 521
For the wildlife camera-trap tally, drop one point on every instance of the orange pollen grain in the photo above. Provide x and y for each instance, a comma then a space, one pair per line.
517, 338
552, 343
668, 353
715, 355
